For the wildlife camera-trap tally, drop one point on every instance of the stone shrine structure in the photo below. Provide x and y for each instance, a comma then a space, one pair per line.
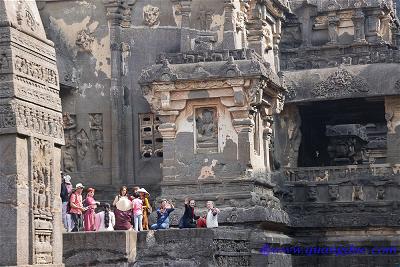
31, 136
285, 113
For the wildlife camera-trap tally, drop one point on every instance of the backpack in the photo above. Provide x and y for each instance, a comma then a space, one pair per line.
69, 203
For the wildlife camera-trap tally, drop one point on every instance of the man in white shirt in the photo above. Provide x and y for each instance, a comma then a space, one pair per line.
212, 215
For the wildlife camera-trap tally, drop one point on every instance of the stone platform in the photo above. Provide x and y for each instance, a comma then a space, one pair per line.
223, 246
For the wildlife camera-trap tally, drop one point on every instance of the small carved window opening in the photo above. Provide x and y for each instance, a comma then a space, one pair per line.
151, 141
206, 130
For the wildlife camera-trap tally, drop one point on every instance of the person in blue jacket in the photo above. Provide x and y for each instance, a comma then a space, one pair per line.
163, 212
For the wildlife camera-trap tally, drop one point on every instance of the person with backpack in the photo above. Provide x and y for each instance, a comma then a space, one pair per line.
76, 207
66, 190
163, 212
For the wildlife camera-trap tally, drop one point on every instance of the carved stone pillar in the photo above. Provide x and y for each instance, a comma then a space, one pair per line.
31, 137
359, 29
243, 124
230, 25
118, 14
185, 25
373, 32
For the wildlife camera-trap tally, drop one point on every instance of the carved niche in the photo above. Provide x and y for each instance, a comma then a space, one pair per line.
206, 129
84, 40
340, 83
205, 18
151, 16
42, 171
96, 131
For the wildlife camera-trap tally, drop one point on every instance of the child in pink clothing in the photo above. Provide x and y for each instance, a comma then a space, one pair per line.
137, 212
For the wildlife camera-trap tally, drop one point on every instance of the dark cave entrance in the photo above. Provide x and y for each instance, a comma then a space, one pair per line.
342, 132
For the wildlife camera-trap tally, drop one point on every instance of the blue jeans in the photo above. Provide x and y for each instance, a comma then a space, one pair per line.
159, 226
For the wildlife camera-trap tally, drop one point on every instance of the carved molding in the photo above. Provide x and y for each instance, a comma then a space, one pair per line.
35, 70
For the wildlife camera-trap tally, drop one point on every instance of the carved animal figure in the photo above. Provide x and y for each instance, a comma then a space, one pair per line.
207, 171
323, 178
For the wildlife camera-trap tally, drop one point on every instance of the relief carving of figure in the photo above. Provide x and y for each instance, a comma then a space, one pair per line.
69, 161
151, 15
84, 40
333, 191
68, 121
358, 193
312, 193
82, 141
380, 192
206, 126
98, 146
125, 52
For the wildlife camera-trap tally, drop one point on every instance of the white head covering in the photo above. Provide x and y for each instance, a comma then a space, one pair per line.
67, 179
142, 190
124, 204
79, 185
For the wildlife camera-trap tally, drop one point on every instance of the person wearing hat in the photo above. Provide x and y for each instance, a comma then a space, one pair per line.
66, 190
123, 214
76, 207
144, 196
90, 215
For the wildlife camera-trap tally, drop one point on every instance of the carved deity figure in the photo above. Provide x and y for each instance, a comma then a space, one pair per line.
98, 146
358, 194
380, 192
312, 193
68, 121
206, 126
125, 52
151, 15
82, 141
69, 161
333, 192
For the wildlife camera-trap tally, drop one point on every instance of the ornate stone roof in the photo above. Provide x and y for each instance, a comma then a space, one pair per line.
209, 64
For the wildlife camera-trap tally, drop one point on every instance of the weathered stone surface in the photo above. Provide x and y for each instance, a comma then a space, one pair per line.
30, 138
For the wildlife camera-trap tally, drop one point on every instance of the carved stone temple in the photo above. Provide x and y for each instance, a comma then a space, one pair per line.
285, 113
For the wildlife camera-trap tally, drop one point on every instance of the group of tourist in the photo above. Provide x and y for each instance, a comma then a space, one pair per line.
130, 211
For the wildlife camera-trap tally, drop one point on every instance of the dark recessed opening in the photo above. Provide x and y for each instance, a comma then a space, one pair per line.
147, 142
147, 155
159, 154
159, 140
147, 129
146, 119
342, 132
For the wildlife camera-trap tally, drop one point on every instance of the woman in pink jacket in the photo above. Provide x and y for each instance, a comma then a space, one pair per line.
90, 215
